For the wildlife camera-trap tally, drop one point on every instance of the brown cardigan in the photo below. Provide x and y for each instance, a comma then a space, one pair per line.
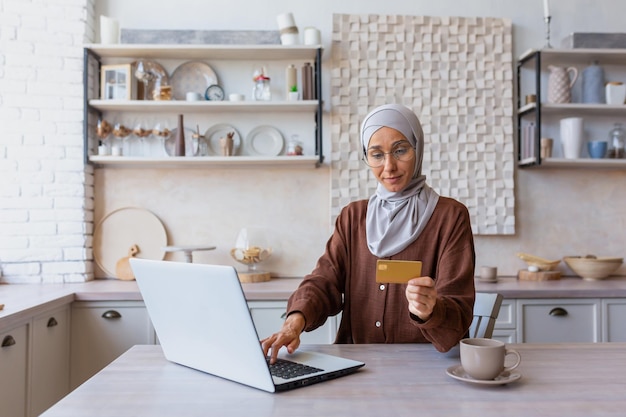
344, 281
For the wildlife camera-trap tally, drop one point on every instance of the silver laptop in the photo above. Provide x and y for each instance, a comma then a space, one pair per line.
202, 321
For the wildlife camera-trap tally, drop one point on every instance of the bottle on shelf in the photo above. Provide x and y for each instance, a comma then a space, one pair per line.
291, 77
179, 142
308, 91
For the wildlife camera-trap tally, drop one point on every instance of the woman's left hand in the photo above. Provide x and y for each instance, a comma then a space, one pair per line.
422, 296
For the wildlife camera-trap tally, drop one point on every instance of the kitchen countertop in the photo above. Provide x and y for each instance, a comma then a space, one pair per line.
22, 301
566, 379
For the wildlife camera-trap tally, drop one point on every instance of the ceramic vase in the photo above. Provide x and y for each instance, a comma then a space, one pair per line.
593, 84
572, 137
179, 141
560, 83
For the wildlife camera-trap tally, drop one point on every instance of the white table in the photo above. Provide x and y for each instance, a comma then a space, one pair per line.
397, 380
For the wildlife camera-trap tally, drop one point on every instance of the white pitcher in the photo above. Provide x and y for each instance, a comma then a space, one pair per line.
572, 137
560, 83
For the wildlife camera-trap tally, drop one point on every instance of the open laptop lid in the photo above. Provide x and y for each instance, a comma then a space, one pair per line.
202, 319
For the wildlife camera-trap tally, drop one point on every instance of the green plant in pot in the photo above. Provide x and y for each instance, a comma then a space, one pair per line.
293, 93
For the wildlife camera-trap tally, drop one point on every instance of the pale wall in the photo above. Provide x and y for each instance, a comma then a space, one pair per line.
46, 195
559, 212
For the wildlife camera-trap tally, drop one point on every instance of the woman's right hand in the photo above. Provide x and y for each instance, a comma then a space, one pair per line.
288, 336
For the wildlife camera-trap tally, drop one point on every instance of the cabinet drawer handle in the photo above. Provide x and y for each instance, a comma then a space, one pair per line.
558, 312
111, 314
8, 341
52, 322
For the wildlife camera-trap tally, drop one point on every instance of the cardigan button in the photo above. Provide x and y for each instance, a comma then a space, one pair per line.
382, 287
378, 324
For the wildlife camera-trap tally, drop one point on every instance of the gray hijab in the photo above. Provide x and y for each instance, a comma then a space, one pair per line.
395, 219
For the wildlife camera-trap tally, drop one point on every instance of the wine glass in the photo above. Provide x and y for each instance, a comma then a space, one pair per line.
141, 132
144, 73
103, 131
120, 134
163, 132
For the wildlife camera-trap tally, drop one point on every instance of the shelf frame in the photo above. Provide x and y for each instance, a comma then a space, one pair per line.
296, 161
96, 52
546, 57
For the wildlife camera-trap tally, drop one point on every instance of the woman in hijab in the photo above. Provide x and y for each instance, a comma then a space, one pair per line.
404, 220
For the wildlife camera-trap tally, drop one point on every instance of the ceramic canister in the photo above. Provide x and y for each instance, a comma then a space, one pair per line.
572, 137
593, 84
615, 93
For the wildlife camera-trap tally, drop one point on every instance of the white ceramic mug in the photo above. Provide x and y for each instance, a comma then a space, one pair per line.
484, 358
572, 137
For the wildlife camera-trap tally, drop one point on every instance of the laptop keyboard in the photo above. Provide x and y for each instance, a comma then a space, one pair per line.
286, 369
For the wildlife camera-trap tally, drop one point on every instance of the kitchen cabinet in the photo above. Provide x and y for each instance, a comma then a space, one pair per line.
234, 65
101, 331
14, 349
541, 118
559, 320
614, 323
505, 326
50, 361
268, 317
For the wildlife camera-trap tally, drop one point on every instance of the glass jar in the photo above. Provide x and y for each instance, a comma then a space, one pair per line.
617, 140
294, 147
262, 90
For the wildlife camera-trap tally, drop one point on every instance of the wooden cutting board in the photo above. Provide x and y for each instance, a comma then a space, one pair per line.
526, 275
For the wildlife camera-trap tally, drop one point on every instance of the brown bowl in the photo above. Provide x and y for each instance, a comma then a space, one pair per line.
592, 268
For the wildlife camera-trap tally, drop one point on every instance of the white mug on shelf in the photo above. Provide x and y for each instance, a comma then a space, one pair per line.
572, 137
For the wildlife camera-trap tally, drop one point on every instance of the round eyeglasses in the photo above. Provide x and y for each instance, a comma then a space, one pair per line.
375, 158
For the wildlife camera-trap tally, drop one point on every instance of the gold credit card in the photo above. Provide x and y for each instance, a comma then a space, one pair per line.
397, 272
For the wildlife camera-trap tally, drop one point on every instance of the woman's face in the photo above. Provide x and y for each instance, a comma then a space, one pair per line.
393, 174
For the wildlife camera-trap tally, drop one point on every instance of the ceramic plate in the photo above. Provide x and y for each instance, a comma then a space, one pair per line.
191, 144
265, 141
213, 135
506, 377
122, 228
192, 76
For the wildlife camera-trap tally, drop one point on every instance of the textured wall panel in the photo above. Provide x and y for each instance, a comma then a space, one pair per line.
457, 75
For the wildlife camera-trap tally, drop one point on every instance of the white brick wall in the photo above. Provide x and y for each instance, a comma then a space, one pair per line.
46, 191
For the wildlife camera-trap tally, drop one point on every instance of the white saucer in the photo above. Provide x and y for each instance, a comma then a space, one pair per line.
457, 372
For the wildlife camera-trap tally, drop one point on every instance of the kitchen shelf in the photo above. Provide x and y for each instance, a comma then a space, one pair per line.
232, 52
576, 163
237, 55
576, 109
578, 56
538, 61
203, 161
170, 106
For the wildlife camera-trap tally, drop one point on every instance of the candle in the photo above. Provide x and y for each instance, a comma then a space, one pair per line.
546, 8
